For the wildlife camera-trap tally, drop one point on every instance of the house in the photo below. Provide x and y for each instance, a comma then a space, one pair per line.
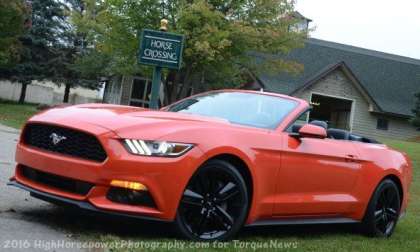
129, 90
367, 92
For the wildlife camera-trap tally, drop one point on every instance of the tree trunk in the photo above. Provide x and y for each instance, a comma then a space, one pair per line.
187, 80
169, 88
23, 92
67, 93
166, 92
174, 89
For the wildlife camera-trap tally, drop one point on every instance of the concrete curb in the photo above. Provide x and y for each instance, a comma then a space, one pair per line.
7, 129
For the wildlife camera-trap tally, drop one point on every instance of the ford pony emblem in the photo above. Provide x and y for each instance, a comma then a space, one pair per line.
56, 139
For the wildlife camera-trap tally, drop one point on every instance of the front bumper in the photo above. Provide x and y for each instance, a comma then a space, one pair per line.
75, 203
165, 178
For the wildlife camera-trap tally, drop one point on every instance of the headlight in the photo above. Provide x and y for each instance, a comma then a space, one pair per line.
156, 148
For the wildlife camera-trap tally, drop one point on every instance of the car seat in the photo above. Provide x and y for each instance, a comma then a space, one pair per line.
320, 124
338, 134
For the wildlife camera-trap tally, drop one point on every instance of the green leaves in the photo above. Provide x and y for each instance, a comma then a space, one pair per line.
220, 36
206, 33
12, 21
37, 41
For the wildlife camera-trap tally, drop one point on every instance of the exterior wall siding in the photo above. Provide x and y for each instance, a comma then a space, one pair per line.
363, 122
127, 83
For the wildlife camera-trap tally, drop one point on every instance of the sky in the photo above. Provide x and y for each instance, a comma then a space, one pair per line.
382, 25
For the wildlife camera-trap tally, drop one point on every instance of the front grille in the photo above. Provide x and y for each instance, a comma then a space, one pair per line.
55, 181
72, 142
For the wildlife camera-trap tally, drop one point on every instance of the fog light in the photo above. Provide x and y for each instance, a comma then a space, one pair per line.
130, 197
129, 185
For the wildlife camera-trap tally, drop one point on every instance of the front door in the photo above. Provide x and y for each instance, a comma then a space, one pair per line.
316, 177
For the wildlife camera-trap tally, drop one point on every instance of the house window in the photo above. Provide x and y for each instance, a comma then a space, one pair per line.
140, 92
382, 124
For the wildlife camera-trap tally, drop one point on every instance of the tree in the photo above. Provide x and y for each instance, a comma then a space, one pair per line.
416, 120
36, 54
12, 25
66, 70
67, 73
221, 37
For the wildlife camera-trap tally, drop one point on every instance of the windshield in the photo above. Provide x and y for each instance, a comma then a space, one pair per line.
256, 110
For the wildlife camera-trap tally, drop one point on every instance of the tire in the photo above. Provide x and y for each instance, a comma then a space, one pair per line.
383, 211
215, 203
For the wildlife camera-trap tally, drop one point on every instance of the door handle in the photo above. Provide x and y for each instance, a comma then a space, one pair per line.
351, 158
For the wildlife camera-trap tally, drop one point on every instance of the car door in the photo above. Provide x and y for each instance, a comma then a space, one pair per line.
316, 177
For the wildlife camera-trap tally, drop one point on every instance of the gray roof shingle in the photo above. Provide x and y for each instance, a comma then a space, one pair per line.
390, 80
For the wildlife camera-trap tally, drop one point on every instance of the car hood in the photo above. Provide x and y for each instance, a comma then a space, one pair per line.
124, 120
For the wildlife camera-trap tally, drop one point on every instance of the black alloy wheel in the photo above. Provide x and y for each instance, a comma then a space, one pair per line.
383, 210
214, 205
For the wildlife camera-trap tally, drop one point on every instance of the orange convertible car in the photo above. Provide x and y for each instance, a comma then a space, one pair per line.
212, 163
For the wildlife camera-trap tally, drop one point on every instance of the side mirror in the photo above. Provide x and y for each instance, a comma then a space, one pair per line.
312, 131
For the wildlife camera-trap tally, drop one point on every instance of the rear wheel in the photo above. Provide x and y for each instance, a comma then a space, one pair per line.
214, 205
383, 210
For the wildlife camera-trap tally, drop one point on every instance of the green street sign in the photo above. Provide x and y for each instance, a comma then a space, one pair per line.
161, 49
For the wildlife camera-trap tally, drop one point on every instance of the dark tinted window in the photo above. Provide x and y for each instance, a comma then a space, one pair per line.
138, 89
382, 124
256, 110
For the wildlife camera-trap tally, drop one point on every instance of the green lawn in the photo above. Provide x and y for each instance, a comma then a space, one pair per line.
14, 115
